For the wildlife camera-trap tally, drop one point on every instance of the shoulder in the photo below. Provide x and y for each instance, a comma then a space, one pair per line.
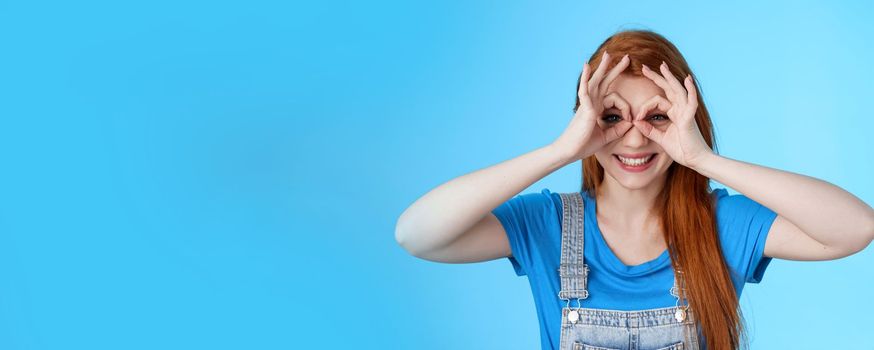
542, 208
721, 198
536, 200
726, 206
729, 206
546, 201
742, 223
532, 206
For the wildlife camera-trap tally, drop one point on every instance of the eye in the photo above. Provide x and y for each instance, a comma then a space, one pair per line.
608, 118
659, 117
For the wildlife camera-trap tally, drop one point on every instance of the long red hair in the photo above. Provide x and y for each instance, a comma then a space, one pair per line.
685, 203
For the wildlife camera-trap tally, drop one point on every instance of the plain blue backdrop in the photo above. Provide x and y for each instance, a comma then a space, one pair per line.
228, 175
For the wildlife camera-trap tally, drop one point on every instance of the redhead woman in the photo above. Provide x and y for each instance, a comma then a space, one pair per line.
646, 255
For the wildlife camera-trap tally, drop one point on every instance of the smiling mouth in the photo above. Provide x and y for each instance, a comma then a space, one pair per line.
636, 162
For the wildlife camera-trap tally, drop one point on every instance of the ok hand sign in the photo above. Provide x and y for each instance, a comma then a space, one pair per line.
681, 139
584, 135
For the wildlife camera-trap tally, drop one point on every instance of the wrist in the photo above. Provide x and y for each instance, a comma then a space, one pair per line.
560, 156
702, 163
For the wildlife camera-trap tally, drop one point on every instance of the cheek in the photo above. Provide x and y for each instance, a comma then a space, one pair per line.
666, 160
604, 158
601, 158
659, 124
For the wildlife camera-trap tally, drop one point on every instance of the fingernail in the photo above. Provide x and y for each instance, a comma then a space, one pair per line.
625, 57
664, 64
645, 67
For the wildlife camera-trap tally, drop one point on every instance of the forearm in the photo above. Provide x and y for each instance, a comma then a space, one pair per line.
827, 213
445, 212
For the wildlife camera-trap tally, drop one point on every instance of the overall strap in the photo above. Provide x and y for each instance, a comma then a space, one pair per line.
573, 271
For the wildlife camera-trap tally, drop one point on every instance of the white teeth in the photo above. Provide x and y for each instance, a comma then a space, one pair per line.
635, 161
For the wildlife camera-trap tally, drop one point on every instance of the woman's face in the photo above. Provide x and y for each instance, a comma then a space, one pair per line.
635, 91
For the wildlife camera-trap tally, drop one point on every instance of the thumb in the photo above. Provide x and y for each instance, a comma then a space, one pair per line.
649, 131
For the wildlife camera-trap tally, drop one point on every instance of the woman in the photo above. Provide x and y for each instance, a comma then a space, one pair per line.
646, 256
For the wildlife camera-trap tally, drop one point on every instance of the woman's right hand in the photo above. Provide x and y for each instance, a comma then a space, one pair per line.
584, 134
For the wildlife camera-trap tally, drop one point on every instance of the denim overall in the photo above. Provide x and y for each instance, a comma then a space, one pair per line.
670, 328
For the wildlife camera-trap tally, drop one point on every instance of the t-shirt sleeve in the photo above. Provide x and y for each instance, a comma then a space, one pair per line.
744, 225
523, 218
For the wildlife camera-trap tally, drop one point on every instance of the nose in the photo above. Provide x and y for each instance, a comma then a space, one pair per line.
634, 139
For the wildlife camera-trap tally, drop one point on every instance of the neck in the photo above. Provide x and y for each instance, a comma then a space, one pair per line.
629, 210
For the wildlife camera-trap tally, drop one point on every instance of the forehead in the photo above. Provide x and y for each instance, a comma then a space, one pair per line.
635, 90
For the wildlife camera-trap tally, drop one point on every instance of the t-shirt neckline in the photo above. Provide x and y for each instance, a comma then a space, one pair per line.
612, 260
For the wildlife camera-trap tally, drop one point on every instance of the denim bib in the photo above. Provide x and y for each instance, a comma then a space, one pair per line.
670, 328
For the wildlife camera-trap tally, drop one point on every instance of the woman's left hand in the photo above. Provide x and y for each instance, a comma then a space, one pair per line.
681, 139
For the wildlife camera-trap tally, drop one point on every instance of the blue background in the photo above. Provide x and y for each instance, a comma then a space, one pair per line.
227, 175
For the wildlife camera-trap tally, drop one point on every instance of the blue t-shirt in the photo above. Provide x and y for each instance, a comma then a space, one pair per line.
533, 225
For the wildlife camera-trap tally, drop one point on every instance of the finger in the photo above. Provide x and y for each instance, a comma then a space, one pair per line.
584, 82
614, 100
658, 80
620, 67
693, 92
617, 131
654, 102
599, 73
672, 80
649, 131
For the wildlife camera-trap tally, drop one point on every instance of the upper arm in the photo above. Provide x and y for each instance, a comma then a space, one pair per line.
787, 241
485, 240
515, 230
